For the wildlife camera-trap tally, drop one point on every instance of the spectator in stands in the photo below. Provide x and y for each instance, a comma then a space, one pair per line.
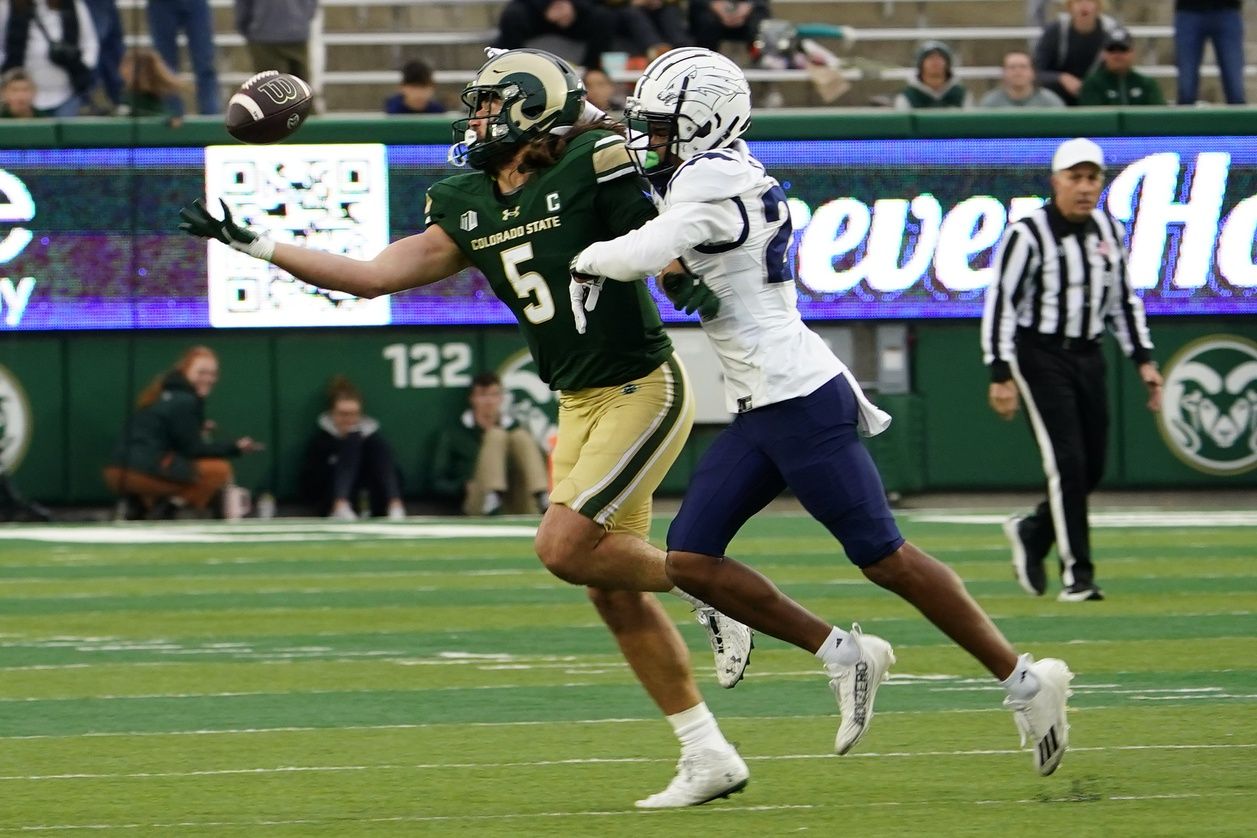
417, 91
55, 42
166, 18
1069, 48
149, 84
165, 459
587, 21
600, 91
935, 85
17, 95
1115, 81
652, 27
713, 21
108, 25
1220, 22
1017, 88
277, 33
347, 455
487, 462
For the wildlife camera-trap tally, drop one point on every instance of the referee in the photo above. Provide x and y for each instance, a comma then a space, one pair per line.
1061, 277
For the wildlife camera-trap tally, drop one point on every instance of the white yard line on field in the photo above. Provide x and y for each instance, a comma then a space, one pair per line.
254, 731
221, 533
546, 763
1117, 518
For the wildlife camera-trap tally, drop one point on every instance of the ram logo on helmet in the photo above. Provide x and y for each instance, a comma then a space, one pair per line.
517, 96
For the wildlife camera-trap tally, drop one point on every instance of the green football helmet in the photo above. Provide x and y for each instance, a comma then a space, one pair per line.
533, 92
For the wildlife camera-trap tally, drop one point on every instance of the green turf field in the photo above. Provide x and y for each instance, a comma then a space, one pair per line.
298, 678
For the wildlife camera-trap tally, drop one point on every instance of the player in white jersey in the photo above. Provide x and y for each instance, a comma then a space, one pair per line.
799, 410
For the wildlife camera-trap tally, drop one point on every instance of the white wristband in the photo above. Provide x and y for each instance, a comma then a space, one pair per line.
263, 247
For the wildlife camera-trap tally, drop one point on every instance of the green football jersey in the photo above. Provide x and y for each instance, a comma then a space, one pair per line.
523, 243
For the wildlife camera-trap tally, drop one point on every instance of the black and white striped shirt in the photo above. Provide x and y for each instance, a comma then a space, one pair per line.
1063, 280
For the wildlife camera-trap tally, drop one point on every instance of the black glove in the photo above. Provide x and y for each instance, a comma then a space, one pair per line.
197, 221
689, 293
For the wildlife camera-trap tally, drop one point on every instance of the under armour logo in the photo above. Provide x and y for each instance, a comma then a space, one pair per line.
508, 214
628, 390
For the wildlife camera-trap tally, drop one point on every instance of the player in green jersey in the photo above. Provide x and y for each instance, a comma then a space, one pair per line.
549, 181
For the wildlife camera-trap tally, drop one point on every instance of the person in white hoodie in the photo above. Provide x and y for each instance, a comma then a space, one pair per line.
55, 41
798, 410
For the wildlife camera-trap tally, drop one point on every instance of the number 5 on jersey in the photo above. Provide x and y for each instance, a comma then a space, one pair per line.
528, 286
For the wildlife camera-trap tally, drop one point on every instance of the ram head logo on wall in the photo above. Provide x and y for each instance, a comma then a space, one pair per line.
1209, 418
15, 422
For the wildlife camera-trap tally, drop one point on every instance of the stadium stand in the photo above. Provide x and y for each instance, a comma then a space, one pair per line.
361, 43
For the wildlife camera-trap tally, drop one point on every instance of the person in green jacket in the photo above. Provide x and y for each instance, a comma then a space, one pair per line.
487, 462
165, 459
549, 176
1115, 81
935, 85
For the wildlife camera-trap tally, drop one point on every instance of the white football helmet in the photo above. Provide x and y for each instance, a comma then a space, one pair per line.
686, 102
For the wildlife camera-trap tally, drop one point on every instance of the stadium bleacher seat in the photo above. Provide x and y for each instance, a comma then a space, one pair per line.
361, 43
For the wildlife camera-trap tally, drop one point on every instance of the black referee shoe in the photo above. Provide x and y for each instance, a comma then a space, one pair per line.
1027, 561
1080, 593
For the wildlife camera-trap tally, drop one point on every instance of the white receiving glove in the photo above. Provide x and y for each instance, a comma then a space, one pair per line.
584, 290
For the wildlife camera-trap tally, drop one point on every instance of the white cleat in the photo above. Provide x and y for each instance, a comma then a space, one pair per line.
855, 687
703, 774
731, 644
1041, 718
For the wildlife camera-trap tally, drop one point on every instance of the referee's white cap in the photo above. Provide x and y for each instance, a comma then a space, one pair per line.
1078, 150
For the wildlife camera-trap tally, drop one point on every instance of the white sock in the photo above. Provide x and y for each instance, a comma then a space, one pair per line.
696, 727
693, 601
839, 649
1022, 684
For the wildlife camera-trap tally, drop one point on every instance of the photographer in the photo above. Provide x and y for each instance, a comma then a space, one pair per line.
55, 41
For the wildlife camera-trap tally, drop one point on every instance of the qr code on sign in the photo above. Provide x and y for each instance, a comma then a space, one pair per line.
328, 197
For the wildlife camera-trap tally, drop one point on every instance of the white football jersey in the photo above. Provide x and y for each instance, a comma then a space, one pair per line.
728, 222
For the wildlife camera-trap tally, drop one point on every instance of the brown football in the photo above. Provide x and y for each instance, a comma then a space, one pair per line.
268, 107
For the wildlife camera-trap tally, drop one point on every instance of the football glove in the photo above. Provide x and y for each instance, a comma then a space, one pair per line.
197, 221
584, 289
689, 293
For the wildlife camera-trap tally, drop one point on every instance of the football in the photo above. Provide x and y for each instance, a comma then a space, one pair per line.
268, 107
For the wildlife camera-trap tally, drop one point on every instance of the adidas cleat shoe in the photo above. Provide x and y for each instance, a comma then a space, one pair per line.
703, 774
855, 687
731, 644
1041, 718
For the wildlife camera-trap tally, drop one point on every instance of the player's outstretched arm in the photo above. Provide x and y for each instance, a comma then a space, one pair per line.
416, 260
658, 242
